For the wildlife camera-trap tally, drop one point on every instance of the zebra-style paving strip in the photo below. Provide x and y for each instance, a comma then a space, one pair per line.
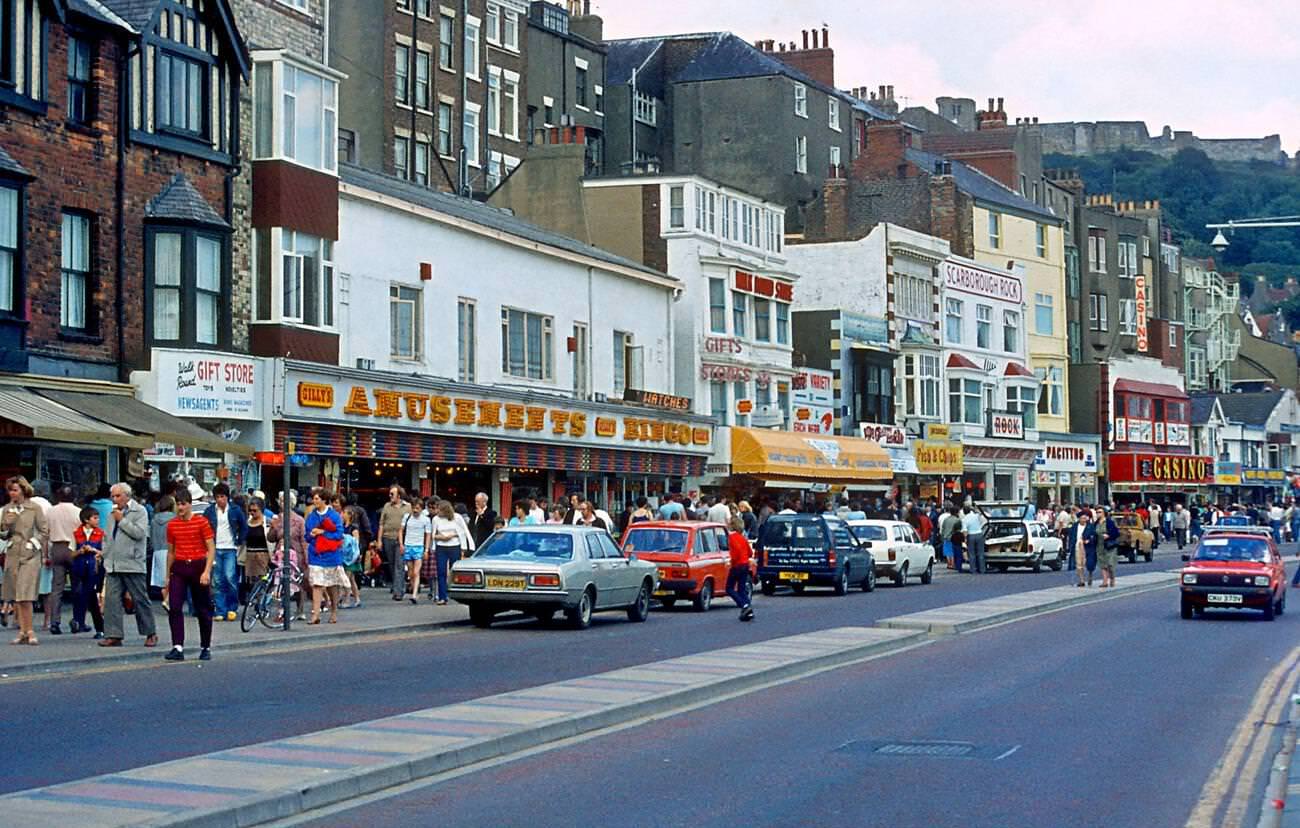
257, 783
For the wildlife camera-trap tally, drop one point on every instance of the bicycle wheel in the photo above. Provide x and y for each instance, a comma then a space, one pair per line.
254, 606
271, 607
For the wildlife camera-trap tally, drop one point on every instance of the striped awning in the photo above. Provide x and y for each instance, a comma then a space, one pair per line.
24, 413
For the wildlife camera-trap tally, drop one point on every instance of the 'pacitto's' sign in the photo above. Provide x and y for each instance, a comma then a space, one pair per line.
1140, 467
467, 414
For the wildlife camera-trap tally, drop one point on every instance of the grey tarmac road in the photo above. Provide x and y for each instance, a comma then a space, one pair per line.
1108, 715
75, 725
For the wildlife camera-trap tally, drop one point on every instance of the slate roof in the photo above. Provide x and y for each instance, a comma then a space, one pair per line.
100, 12
136, 13
179, 201
1202, 407
486, 215
980, 186
981, 141
722, 56
1251, 409
9, 165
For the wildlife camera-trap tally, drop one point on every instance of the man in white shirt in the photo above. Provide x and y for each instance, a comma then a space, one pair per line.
972, 525
720, 512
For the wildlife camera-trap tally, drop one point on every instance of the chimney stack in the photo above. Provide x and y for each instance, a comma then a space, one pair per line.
805, 38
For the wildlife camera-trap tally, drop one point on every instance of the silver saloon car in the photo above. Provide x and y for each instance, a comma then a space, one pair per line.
539, 570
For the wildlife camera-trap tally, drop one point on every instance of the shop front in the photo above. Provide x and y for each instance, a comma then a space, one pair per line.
1065, 471
778, 463
363, 431
82, 433
1172, 478
1261, 485
940, 463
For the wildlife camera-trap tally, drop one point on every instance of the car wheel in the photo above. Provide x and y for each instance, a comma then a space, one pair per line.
580, 616
928, 575
900, 577
705, 599
1150, 553
481, 616
768, 587
1270, 611
842, 582
1132, 555
640, 611
1186, 609
1056, 565
869, 582
668, 601
1038, 564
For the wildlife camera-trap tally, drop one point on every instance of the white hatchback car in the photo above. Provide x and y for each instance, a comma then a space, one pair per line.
897, 550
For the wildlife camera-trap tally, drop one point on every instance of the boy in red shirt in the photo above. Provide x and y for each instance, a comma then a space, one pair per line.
738, 584
191, 549
87, 550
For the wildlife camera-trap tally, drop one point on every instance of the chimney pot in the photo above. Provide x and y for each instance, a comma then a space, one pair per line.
805, 38
999, 106
758, 44
1035, 119
782, 47
890, 90
826, 37
990, 104
814, 34
882, 91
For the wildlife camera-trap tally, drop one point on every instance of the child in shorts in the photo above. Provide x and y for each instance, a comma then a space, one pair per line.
417, 529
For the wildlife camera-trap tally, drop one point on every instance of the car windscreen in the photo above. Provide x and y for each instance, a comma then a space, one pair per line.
1232, 549
656, 540
528, 546
870, 533
794, 533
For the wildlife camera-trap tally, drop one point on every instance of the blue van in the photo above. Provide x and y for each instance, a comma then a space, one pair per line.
812, 550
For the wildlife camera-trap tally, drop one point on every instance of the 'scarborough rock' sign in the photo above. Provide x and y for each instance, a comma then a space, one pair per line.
968, 279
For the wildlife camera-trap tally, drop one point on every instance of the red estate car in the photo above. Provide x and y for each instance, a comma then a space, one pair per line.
1234, 570
692, 558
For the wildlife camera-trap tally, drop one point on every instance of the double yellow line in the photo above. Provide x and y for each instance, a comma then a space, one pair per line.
1235, 776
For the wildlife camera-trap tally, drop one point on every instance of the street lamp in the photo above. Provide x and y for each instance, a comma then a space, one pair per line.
1220, 242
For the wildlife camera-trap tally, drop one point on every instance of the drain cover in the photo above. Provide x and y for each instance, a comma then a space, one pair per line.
936, 749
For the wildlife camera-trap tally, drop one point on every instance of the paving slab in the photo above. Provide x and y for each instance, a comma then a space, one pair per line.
959, 618
257, 783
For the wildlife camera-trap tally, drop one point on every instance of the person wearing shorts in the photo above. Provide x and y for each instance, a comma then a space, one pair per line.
416, 531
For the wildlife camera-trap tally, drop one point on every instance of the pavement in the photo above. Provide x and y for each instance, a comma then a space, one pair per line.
316, 767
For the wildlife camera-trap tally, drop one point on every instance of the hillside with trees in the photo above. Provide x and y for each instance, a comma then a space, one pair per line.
1195, 191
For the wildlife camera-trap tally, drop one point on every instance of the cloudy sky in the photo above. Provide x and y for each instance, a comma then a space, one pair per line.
1220, 69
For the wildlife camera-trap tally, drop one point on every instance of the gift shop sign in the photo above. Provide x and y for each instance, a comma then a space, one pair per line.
408, 408
208, 385
990, 283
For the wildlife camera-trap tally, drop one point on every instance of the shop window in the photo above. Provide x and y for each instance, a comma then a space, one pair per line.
405, 312
466, 340
965, 402
526, 345
76, 290
188, 286
11, 239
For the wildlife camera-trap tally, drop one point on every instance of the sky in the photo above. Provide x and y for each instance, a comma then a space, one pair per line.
1219, 69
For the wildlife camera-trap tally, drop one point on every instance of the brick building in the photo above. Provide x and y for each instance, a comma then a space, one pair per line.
434, 92
120, 137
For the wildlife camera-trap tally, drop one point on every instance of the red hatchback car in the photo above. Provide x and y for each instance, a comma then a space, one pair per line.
1234, 570
692, 557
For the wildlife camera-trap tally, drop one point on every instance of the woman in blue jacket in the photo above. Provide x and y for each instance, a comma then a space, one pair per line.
324, 530
1082, 539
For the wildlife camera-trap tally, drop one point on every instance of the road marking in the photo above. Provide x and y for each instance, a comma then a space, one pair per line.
1244, 791
1221, 782
1006, 754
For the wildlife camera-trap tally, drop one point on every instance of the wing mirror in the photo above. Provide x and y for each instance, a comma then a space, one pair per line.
631, 556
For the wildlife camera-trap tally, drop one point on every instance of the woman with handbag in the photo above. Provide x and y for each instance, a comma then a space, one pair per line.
324, 530
23, 533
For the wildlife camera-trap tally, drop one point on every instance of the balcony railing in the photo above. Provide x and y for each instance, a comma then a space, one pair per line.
1196, 319
1196, 278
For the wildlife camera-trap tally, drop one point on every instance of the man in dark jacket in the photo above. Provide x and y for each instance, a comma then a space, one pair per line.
229, 526
481, 520
1081, 540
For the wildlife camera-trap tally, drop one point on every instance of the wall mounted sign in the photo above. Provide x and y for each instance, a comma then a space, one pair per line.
990, 283
1006, 425
1140, 308
889, 436
208, 384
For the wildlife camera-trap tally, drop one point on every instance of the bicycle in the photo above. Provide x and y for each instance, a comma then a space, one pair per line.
265, 602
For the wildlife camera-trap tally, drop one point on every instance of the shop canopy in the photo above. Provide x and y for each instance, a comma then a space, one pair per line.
154, 425
812, 458
24, 413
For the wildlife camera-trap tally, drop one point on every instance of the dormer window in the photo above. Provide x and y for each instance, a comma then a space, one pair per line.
181, 95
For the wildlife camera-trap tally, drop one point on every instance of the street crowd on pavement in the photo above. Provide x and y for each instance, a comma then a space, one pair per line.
119, 549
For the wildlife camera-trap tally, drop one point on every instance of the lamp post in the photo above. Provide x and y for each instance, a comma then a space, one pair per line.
1221, 242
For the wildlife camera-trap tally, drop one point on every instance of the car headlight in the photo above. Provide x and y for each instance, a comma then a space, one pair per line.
1261, 580
1189, 578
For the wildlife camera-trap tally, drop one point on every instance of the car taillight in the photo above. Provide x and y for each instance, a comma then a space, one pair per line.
544, 580
831, 558
467, 578
683, 572
892, 555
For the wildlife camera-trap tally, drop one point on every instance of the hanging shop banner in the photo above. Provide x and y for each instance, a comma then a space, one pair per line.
889, 436
1140, 308
388, 405
209, 385
1227, 474
938, 457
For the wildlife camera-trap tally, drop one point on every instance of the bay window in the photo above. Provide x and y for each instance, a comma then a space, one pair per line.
308, 279
921, 385
188, 286
965, 402
10, 246
295, 113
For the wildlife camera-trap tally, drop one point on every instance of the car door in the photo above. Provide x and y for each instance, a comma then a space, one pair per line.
920, 553
624, 577
603, 574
